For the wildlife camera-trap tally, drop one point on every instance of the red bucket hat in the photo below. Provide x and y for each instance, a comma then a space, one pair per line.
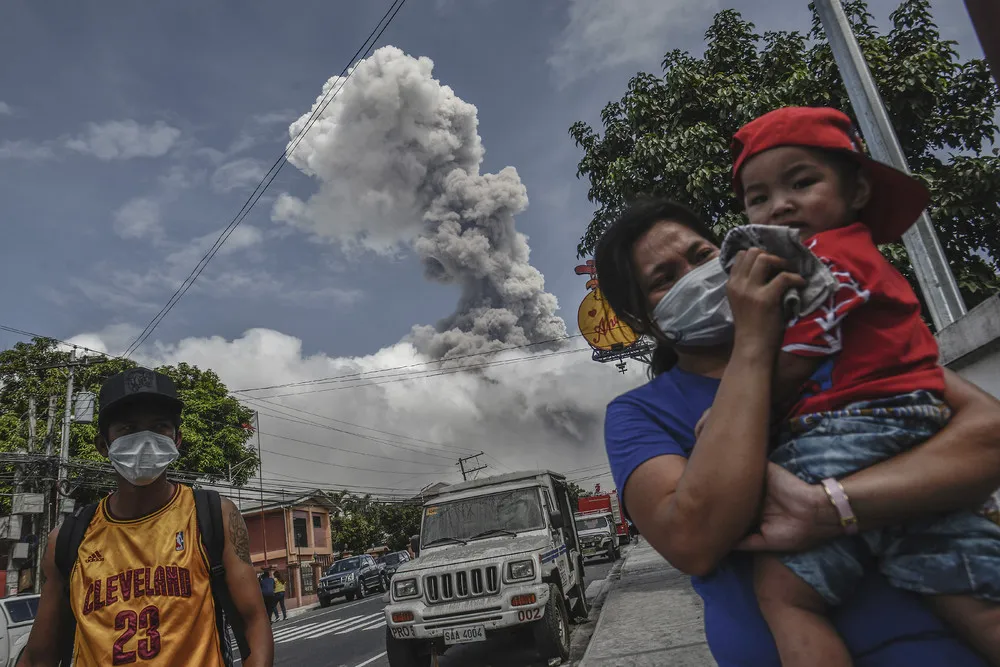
897, 198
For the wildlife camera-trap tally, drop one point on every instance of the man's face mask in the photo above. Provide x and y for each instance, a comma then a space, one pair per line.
142, 457
695, 312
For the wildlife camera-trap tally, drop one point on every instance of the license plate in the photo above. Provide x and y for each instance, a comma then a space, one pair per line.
472, 633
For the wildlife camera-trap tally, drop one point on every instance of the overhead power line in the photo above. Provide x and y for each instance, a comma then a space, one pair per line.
430, 374
361, 374
272, 173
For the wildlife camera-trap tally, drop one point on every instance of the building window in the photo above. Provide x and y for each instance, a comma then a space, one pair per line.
301, 536
317, 521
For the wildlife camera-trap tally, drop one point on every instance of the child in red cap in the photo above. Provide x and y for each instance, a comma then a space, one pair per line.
862, 378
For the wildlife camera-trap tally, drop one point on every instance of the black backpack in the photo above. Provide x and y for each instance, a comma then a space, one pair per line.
208, 507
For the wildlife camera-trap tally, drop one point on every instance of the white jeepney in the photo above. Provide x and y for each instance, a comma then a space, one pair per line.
494, 555
597, 534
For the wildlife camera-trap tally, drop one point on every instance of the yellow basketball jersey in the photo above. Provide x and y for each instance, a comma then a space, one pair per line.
140, 591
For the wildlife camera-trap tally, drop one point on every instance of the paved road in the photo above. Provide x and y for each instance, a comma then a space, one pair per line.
352, 634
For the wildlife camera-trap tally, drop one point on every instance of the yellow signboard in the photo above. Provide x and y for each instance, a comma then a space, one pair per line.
597, 322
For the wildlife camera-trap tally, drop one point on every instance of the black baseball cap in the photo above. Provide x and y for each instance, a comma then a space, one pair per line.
137, 385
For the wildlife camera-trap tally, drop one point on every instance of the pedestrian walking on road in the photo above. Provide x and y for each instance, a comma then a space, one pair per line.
267, 590
695, 498
127, 578
279, 597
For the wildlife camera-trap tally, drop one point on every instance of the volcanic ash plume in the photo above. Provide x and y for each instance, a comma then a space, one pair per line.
397, 157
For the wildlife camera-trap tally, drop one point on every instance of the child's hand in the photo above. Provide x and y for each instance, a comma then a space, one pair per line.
700, 426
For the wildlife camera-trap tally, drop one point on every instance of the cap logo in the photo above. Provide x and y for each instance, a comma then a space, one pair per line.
139, 379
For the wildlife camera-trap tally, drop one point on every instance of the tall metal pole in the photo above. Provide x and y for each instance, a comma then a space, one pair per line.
940, 290
44, 524
260, 478
67, 422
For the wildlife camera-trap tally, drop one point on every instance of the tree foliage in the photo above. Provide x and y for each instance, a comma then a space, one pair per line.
212, 423
576, 492
365, 523
670, 135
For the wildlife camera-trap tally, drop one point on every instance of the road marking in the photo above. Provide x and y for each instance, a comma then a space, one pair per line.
310, 630
371, 626
356, 625
371, 660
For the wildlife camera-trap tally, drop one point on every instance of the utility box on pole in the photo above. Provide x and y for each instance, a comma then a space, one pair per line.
28, 503
83, 407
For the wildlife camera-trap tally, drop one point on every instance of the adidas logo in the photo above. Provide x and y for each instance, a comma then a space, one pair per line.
95, 557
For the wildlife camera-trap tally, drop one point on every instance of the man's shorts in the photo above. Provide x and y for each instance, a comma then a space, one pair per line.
952, 554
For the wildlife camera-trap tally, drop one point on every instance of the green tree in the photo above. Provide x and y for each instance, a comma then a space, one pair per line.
367, 523
576, 492
214, 424
400, 521
670, 135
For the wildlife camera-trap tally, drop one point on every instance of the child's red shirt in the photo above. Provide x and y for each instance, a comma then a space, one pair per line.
870, 329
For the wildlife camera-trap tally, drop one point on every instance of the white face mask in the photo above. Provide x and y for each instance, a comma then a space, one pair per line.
142, 457
695, 312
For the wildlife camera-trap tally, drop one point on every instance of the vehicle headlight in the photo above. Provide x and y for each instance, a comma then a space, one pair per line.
520, 570
405, 588
350, 577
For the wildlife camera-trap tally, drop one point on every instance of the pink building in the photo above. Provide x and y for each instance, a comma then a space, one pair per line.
298, 542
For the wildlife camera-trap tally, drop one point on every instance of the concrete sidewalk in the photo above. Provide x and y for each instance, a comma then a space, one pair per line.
651, 618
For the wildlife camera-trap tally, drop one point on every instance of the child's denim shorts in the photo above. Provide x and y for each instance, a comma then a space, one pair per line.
952, 554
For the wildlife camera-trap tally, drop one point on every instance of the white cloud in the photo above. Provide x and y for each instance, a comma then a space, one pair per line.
524, 410
602, 34
238, 174
139, 218
275, 117
5, 109
22, 149
178, 178
125, 139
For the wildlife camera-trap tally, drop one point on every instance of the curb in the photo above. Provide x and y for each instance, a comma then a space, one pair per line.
581, 636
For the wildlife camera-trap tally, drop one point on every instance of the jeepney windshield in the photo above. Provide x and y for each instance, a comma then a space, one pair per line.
591, 523
513, 512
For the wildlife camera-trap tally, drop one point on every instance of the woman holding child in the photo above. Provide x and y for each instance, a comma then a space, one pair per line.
848, 397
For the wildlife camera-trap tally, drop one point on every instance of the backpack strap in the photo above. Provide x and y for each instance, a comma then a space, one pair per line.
208, 506
68, 542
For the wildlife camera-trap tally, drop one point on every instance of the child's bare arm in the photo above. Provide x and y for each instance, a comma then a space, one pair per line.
791, 372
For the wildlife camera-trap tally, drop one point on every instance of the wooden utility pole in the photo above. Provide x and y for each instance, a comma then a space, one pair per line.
465, 472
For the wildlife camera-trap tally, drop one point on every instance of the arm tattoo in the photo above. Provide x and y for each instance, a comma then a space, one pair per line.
238, 535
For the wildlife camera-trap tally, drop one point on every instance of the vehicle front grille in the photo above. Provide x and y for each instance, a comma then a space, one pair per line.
470, 583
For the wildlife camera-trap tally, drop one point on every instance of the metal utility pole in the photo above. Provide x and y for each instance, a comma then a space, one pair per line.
12, 571
944, 301
260, 478
67, 421
461, 465
31, 423
43, 521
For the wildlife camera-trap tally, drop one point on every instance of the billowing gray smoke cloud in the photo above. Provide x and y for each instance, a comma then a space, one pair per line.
397, 155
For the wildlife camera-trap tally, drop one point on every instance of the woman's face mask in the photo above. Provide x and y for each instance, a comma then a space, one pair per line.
695, 312
142, 457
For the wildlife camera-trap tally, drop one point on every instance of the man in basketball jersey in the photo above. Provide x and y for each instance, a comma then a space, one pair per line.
140, 588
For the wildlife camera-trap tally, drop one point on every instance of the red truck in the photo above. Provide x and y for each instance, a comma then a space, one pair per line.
607, 502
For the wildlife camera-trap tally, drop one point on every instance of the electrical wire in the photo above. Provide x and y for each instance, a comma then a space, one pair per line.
360, 374
272, 173
347, 423
392, 379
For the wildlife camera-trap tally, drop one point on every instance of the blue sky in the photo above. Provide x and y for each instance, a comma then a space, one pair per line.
131, 133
